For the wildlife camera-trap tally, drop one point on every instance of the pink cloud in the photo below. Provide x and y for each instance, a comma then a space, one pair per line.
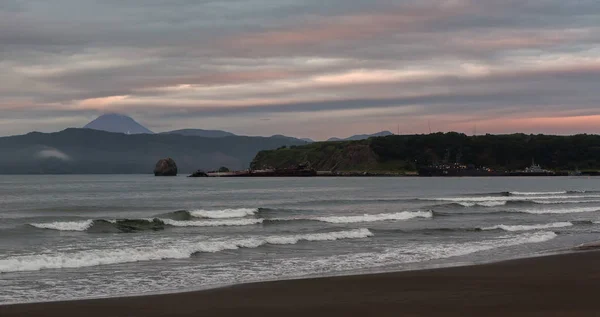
221, 78
350, 27
543, 124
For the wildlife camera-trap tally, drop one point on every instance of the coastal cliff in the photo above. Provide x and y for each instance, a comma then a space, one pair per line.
405, 153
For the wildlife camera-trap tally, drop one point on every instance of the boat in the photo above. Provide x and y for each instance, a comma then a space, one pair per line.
536, 170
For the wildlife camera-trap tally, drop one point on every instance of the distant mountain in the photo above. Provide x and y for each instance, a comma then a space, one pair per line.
201, 133
117, 123
289, 138
85, 151
363, 136
308, 140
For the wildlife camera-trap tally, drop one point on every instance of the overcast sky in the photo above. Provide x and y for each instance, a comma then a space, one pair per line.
305, 68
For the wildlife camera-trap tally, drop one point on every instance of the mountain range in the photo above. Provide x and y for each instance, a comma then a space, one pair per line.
117, 144
361, 136
119, 123
202, 133
87, 151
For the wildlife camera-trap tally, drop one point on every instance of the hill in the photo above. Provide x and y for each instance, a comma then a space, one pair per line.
85, 151
362, 136
201, 133
407, 152
117, 123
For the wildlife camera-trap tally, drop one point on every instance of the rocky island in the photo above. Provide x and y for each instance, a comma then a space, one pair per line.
165, 167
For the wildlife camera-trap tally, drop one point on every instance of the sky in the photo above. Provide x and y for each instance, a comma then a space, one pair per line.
304, 68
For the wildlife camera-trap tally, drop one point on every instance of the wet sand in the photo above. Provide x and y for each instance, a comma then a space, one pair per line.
560, 285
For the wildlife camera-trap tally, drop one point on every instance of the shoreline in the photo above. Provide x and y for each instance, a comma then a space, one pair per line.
586, 247
562, 284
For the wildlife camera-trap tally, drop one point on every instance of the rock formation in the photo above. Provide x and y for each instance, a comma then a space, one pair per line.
199, 173
165, 167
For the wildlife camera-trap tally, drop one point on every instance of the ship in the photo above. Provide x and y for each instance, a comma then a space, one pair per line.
458, 170
302, 170
537, 170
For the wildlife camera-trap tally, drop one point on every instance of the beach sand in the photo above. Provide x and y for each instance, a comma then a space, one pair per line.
558, 285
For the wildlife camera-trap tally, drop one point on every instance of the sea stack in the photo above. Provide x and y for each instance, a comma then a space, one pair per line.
165, 167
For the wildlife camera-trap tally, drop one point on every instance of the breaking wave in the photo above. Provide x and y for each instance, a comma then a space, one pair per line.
483, 204
224, 213
498, 203
425, 252
477, 199
561, 202
65, 225
210, 214
103, 225
132, 225
178, 250
520, 193
412, 253
405, 215
214, 223
538, 193
529, 227
558, 211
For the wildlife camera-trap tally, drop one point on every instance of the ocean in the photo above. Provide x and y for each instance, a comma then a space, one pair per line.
92, 236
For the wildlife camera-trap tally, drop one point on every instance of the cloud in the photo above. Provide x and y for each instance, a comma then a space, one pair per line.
53, 153
308, 64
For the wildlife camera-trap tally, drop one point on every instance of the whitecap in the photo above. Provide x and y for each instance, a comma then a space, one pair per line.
513, 228
538, 193
405, 215
483, 204
176, 250
505, 198
65, 225
558, 211
213, 223
224, 213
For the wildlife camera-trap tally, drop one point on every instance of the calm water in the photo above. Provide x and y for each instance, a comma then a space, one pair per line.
63, 237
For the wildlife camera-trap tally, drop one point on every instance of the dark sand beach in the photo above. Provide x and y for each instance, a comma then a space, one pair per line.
557, 285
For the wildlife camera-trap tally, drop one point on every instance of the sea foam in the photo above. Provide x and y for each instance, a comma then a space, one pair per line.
224, 213
65, 225
405, 215
177, 250
558, 211
416, 252
213, 223
564, 202
538, 193
514, 228
508, 198
483, 204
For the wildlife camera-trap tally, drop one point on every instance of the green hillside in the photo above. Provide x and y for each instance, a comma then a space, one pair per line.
406, 152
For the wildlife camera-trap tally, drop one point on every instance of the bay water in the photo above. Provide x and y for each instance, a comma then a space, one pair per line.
93, 236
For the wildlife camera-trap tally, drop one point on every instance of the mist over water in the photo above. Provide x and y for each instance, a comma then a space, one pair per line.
69, 237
